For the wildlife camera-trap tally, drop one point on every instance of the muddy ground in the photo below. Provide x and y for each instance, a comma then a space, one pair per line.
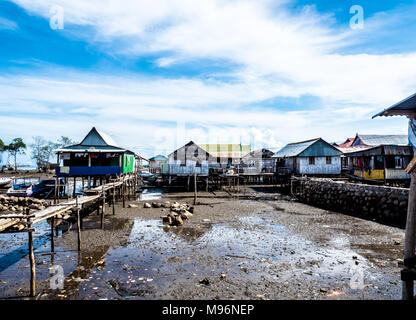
27, 174
270, 248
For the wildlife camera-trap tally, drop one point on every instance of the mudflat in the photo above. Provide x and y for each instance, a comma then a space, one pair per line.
264, 247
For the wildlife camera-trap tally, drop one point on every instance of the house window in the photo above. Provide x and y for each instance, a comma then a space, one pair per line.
311, 160
398, 162
328, 160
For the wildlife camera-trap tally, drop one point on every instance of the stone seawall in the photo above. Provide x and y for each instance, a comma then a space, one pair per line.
379, 203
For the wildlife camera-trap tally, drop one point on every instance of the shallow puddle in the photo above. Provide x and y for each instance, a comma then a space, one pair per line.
150, 194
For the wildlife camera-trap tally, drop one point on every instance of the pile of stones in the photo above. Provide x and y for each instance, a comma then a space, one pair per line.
19, 204
178, 212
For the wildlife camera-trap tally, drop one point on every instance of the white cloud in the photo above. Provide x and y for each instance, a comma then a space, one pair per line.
278, 53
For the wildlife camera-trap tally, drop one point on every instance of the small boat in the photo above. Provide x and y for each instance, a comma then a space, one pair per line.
43, 189
18, 190
5, 182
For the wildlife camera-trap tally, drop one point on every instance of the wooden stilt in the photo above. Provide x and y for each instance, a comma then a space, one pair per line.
56, 191
78, 225
123, 195
31, 257
52, 234
128, 190
75, 186
103, 210
409, 245
114, 200
195, 188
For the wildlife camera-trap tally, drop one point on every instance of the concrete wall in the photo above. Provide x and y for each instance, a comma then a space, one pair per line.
380, 203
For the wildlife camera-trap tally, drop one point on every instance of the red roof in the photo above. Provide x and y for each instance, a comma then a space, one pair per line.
347, 143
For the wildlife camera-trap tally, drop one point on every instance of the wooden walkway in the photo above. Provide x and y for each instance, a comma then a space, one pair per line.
47, 213
13, 223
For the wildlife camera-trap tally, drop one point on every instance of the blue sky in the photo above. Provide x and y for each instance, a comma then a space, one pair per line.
154, 75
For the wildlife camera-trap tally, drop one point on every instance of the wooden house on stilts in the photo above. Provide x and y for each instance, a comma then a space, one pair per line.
97, 156
312, 157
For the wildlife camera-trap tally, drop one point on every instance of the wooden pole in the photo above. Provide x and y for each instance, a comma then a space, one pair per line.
31, 257
123, 194
75, 184
114, 199
52, 234
103, 210
78, 224
56, 191
67, 188
195, 188
128, 189
409, 245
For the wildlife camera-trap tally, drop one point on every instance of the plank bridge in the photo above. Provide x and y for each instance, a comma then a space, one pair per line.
120, 188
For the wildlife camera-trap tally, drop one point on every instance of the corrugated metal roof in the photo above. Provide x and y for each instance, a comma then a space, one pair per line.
375, 140
97, 138
225, 147
352, 149
380, 150
294, 149
310, 148
406, 106
159, 157
259, 154
347, 143
190, 143
95, 141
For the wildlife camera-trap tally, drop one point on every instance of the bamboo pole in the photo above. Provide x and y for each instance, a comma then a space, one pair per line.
409, 245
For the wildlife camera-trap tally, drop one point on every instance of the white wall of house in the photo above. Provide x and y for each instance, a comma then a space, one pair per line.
320, 166
177, 167
289, 163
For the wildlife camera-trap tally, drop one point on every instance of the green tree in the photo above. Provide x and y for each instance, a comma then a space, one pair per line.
17, 146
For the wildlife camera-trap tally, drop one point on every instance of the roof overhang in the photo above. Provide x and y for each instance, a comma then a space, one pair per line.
406, 107
90, 150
